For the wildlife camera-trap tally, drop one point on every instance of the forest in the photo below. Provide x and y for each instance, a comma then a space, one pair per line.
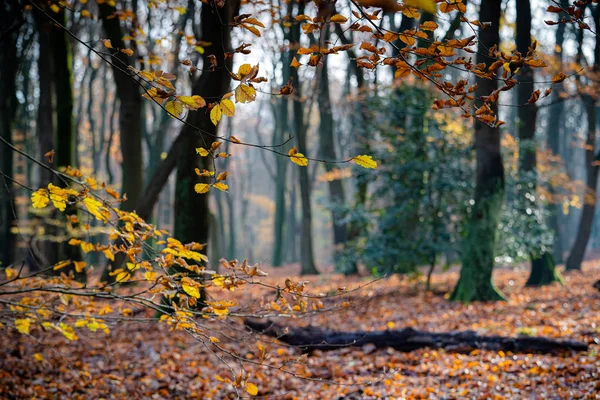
299, 199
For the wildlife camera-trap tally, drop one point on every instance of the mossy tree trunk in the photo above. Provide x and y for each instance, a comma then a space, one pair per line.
543, 270
475, 282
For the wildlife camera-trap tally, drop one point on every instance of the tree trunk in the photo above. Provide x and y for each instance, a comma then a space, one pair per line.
130, 117
306, 239
589, 208
543, 271
10, 18
409, 339
475, 282
555, 119
192, 214
327, 146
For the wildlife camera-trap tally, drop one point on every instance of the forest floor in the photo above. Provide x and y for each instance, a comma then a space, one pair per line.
146, 360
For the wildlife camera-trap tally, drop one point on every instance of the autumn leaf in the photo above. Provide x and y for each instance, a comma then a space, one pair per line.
50, 156
129, 52
23, 325
227, 107
222, 186
79, 266
190, 289
364, 161
174, 108
39, 198
234, 139
215, 114
222, 176
338, 19
297, 158
245, 94
61, 265
201, 188
425, 5
295, 63
202, 151
251, 389
106, 43
559, 78
192, 102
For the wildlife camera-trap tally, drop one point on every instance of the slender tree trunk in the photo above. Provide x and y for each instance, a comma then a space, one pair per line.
306, 243
589, 208
130, 117
543, 270
10, 16
327, 146
475, 282
555, 118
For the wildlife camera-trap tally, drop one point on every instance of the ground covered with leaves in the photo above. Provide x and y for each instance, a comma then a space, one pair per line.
141, 358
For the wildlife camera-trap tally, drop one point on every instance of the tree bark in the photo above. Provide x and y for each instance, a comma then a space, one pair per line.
307, 261
475, 282
130, 117
337, 196
589, 208
553, 138
409, 339
543, 270
10, 20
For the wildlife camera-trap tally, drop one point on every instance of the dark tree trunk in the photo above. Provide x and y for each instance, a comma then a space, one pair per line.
475, 282
10, 22
306, 238
543, 271
192, 214
590, 198
130, 117
409, 339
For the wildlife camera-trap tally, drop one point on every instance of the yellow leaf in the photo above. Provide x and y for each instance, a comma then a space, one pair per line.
234, 139
92, 183
338, 19
213, 339
299, 159
150, 276
109, 254
175, 108
245, 94
222, 176
202, 151
68, 331
215, 114
251, 389
244, 69
425, 5
39, 198
10, 273
293, 151
22, 325
149, 76
96, 209
79, 266
429, 26
191, 290
38, 357
87, 247
129, 52
107, 43
364, 161
123, 276
61, 265
295, 63
192, 102
201, 188
222, 186
55, 8
227, 107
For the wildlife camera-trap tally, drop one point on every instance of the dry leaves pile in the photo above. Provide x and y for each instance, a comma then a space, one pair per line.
144, 360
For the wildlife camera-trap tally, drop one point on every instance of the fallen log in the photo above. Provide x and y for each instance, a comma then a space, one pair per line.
408, 339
